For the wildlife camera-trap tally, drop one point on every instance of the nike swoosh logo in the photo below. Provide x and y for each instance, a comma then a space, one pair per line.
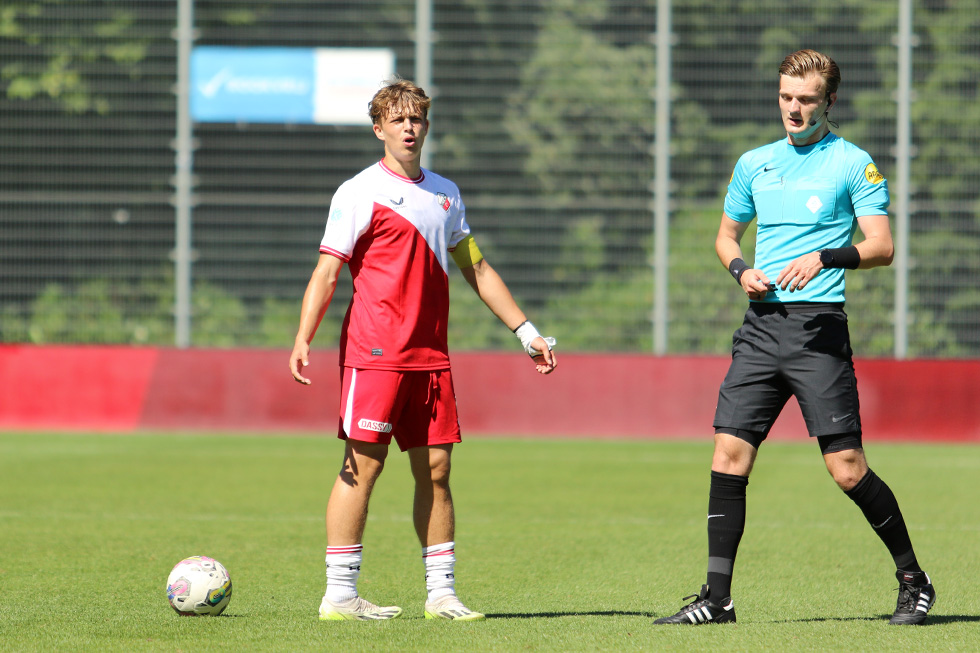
876, 526
768, 168
836, 419
710, 516
401, 200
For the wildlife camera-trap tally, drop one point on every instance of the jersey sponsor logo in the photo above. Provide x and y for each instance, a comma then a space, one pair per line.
335, 215
377, 351
401, 200
814, 204
872, 175
443, 200
373, 425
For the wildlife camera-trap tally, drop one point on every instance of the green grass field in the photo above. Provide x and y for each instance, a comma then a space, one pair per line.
567, 545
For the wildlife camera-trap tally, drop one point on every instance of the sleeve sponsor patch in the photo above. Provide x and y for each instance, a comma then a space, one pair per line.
872, 175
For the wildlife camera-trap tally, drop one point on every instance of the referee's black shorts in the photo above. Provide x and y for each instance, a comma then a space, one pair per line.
801, 349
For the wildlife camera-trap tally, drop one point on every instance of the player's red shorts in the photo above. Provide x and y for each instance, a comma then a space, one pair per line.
417, 408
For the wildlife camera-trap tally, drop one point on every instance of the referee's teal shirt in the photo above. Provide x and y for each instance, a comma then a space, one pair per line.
806, 199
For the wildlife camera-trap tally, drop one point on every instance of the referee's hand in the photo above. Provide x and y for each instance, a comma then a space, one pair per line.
756, 284
799, 272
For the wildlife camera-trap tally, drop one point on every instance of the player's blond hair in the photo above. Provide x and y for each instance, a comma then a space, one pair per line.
398, 96
808, 62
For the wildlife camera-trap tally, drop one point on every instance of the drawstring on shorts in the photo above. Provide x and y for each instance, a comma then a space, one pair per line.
432, 389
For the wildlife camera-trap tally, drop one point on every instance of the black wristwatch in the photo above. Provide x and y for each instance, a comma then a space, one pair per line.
826, 258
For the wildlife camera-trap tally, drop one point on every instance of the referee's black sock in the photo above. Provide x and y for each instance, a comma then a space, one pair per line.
880, 508
726, 523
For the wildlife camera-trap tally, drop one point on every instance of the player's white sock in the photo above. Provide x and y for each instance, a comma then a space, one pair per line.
439, 562
343, 568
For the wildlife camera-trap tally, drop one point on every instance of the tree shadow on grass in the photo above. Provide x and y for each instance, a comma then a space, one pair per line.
552, 615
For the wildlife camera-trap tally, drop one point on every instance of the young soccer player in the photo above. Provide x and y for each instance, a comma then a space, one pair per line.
809, 193
396, 225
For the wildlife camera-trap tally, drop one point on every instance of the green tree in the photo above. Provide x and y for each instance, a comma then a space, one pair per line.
59, 51
945, 226
471, 324
582, 114
277, 320
14, 324
97, 311
610, 313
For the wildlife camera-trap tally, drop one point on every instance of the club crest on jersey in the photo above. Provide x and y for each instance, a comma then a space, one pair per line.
443, 200
335, 215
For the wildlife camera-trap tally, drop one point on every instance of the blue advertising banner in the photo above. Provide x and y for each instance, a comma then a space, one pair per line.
286, 85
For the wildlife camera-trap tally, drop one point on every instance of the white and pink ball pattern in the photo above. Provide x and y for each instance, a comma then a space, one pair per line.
199, 586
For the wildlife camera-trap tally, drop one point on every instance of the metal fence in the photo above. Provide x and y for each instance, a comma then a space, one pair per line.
545, 114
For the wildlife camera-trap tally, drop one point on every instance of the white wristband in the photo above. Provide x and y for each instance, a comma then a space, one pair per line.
527, 333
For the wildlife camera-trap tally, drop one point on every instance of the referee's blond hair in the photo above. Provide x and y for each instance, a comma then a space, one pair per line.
807, 62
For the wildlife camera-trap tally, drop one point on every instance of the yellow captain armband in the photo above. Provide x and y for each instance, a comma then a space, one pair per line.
466, 253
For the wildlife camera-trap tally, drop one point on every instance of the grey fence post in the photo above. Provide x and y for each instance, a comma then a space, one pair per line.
184, 163
661, 182
904, 41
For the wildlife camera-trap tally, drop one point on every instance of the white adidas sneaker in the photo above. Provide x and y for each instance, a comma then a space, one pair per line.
356, 609
450, 607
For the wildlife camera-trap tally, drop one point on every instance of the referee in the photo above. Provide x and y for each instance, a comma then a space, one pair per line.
809, 193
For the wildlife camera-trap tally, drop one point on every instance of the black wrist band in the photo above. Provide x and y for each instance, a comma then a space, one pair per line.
841, 257
737, 267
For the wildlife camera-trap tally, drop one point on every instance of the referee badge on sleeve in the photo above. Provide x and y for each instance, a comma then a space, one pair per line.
872, 175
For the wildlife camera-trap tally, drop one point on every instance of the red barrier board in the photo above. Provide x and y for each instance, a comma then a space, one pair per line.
240, 389
589, 395
73, 388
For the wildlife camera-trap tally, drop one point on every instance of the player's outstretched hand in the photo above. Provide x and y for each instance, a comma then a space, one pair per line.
537, 347
544, 360
299, 359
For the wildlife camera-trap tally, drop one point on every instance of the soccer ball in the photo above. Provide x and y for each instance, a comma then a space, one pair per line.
199, 585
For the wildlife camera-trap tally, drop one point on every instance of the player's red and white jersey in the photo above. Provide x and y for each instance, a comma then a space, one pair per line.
395, 234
